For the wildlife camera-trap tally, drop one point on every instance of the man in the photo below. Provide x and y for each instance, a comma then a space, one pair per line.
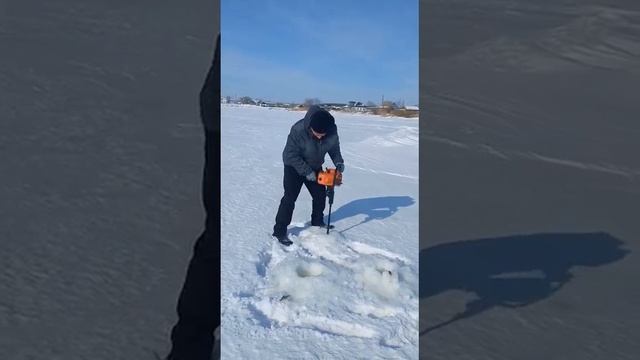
309, 141
192, 337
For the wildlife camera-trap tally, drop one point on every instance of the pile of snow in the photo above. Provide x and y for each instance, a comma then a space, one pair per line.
326, 274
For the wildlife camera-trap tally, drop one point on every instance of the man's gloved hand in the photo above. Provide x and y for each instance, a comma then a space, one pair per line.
340, 167
311, 176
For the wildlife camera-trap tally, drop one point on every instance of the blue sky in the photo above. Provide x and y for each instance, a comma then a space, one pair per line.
334, 50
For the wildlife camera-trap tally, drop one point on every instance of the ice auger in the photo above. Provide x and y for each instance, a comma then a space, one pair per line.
330, 178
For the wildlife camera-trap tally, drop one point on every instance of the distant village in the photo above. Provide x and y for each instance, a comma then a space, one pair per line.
384, 108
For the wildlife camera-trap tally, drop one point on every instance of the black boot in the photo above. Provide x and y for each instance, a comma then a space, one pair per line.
283, 239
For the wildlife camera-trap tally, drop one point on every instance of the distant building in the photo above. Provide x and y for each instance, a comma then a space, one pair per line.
356, 106
332, 106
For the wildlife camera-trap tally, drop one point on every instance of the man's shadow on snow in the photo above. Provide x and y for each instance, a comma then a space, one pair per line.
511, 271
375, 208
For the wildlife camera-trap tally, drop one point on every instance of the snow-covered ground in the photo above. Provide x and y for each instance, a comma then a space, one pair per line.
352, 294
101, 156
529, 179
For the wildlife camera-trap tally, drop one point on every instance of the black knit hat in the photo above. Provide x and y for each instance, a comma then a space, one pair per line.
321, 121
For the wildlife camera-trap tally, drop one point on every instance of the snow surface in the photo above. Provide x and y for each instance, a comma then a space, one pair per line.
101, 157
351, 294
529, 141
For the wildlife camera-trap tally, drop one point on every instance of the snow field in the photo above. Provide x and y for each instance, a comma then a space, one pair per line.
351, 294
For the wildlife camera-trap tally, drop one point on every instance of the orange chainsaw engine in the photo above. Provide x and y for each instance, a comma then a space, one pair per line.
330, 177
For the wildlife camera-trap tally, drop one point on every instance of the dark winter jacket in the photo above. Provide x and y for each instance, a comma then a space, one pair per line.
305, 152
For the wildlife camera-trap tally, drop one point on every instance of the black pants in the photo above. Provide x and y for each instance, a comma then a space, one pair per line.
292, 184
199, 302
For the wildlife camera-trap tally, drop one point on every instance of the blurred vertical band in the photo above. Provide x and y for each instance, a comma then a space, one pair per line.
199, 303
